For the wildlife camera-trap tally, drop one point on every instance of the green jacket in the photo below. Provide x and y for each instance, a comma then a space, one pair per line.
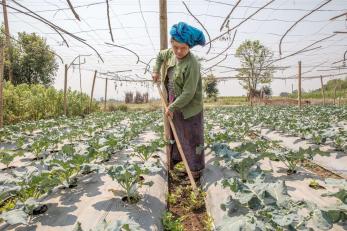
187, 81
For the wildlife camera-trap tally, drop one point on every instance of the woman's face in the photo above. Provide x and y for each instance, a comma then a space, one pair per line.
179, 49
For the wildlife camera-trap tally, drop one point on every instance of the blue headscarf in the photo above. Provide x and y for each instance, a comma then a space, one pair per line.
184, 33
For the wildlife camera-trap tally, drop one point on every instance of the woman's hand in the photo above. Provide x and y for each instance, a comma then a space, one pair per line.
156, 77
168, 113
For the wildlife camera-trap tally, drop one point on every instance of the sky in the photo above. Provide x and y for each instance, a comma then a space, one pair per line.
135, 25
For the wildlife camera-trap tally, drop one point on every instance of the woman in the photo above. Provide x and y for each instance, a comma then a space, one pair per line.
181, 80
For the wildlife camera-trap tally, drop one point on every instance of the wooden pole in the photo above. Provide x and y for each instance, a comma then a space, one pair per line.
339, 102
163, 46
80, 75
178, 142
299, 85
8, 40
65, 89
91, 94
322, 87
335, 88
105, 95
163, 24
2, 58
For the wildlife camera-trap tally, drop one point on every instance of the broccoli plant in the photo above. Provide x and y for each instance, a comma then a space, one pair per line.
129, 177
6, 157
291, 159
267, 206
340, 142
39, 146
66, 165
144, 152
117, 225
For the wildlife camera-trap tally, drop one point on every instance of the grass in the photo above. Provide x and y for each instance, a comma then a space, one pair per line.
226, 100
314, 97
318, 95
120, 106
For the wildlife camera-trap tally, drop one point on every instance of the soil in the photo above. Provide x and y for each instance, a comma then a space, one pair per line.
131, 200
320, 171
193, 218
40, 210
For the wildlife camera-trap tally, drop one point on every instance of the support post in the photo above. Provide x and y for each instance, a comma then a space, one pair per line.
105, 95
65, 89
2, 59
322, 88
299, 85
163, 46
335, 88
8, 40
91, 94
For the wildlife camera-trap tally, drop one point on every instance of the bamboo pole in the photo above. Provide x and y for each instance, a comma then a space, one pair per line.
299, 85
2, 58
339, 102
105, 95
178, 143
65, 89
335, 88
163, 24
163, 46
322, 88
8, 40
91, 94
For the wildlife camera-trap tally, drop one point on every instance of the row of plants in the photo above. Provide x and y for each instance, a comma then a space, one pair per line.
21, 195
318, 124
47, 140
142, 161
258, 201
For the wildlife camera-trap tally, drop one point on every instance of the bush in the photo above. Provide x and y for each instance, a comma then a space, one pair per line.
34, 102
121, 107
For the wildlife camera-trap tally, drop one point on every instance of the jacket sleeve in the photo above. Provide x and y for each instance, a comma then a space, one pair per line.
189, 88
162, 55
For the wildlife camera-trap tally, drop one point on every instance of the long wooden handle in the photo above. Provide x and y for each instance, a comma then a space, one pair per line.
178, 143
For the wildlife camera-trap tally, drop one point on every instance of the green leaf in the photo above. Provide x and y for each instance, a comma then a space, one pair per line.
68, 149
118, 225
283, 219
16, 216
245, 222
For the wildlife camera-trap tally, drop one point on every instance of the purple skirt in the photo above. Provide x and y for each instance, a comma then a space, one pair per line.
191, 135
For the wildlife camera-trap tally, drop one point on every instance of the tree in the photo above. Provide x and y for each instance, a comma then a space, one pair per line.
267, 91
255, 65
210, 87
33, 61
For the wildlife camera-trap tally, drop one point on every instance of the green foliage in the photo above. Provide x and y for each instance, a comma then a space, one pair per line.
33, 61
329, 88
242, 164
34, 102
315, 185
267, 90
117, 225
210, 87
196, 199
66, 165
6, 157
170, 223
291, 159
208, 223
129, 178
254, 57
120, 107
145, 152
